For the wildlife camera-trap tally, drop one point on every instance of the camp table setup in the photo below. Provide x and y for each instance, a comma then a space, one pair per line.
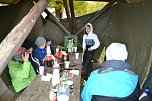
41, 88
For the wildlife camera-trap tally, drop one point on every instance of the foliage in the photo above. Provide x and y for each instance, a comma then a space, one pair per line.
95, 6
80, 7
4, 4
57, 4
83, 7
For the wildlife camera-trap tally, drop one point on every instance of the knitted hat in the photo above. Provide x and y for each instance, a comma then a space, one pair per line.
40, 41
27, 44
18, 55
116, 51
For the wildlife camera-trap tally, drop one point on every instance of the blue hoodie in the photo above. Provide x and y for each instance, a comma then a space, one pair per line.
41, 55
115, 83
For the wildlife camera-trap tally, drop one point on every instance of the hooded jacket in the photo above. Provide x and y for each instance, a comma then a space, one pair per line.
90, 40
21, 74
113, 79
41, 53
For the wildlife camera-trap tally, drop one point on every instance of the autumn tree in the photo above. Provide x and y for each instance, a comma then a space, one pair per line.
59, 7
80, 7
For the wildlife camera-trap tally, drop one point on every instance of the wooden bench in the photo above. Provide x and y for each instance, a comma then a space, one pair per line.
7, 92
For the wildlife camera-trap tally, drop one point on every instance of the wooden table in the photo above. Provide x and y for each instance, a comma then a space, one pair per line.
39, 90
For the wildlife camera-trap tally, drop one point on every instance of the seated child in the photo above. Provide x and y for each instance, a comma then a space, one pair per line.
40, 50
21, 70
49, 43
33, 58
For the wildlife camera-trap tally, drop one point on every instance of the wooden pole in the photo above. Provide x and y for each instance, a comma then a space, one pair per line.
68, 14
16, 37
56, 21
73, 21
101, 12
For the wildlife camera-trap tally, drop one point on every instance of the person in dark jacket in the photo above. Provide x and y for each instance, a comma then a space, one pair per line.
114, 80
90, 44
33, 58
49, 43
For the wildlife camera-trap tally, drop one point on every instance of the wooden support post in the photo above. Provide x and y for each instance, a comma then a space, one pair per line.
56, 21
16, 37
73, 21
68, 14
101, 12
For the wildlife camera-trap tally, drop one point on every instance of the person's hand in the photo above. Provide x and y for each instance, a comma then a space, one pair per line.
25, 56
89, 49
44, 58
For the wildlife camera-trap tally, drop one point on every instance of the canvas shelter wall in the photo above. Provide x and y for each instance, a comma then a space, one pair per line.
11, 15
131, 24
53, 32
101, 28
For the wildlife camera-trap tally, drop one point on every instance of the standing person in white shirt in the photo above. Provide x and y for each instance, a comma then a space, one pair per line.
90, 44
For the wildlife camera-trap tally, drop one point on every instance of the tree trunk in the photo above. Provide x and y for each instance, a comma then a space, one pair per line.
73, 21
58, 13
68, 14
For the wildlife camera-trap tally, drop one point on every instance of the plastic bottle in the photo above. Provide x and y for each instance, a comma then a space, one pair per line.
56, 77
48, 57
63, 93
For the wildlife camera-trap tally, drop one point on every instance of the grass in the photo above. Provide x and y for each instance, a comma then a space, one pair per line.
102, 56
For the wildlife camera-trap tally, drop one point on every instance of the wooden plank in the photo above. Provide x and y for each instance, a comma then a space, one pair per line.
39, 90
57, 22
7, 95
16, 37
75, 96
101, 12
73, 59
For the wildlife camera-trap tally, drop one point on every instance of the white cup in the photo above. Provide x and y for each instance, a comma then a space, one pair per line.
67, 63
75, 49
57, 50
41, 69
76, 55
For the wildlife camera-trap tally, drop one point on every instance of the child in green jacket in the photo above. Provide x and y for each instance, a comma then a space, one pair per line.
21, 70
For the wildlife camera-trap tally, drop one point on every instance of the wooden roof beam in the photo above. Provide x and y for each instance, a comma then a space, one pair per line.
50, 16
16, 37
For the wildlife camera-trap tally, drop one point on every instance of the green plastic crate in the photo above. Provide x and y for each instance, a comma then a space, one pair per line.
74, 37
